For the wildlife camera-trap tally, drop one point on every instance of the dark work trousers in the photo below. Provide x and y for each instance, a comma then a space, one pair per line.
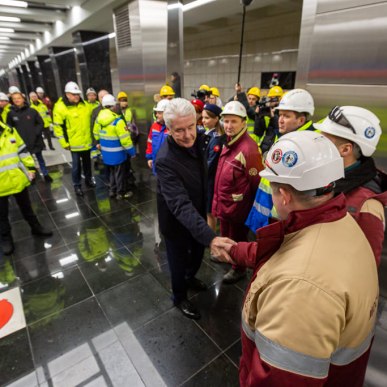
42, 163
86, 164
117, 178
23, 200
184, 259
236, 232
47, 136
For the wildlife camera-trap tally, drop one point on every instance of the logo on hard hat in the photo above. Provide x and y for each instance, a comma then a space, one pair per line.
370, 132
276, 156
289, 159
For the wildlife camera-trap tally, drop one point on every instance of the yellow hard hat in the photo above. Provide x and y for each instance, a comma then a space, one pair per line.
122, 94
254, 91
275, 91
215, 91
204, 87
166, 90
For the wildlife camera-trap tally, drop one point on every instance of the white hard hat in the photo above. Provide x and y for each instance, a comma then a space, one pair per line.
4, 97
235, 108
305, 160
355, 124
13, 90
161, 105
73, 88
108, 100
90, 90
39, 90
297, 100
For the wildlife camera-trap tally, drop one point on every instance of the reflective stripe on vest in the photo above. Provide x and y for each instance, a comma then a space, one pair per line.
114, 149
9, 156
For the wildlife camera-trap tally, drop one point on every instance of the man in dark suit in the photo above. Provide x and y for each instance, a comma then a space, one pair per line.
181, 202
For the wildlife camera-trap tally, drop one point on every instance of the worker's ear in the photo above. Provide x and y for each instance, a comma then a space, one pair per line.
286, 196
345, 149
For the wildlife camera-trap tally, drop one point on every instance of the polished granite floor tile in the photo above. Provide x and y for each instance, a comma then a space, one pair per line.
105, 205
109, 367
15, 357
71, 234
8, 276
36, 245
94, 243
73, 215
115, 267
22, 230
149, 209
62, 340
131, 216
46, 263
142, 196
53, 293
220, 372
135, 302
234, 352
206, 273
176, 346
148, 254
221, 308
130, 233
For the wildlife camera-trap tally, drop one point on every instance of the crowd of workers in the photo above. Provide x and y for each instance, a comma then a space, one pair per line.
310, 192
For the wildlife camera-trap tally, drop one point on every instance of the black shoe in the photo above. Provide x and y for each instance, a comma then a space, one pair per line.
78, 191
52, 148
112, 194
233, 276
196, 284
48, 179
188, 310
90, 184
41, 231
7, 246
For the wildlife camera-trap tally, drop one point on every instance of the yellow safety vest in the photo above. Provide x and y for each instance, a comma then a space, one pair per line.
15, 161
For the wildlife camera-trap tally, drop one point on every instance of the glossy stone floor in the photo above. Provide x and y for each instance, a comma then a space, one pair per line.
97, 301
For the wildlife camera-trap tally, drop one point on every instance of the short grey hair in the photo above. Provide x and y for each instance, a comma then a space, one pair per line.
178, 107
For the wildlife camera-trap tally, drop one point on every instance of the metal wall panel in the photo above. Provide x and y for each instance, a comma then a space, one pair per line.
349, 47
334, 5
141, 45
342, 57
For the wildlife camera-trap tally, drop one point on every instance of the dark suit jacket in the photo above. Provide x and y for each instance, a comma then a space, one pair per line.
182, 192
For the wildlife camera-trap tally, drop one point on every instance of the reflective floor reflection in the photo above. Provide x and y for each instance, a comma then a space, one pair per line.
96, 298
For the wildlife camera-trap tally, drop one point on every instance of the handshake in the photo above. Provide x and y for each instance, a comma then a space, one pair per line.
220, 249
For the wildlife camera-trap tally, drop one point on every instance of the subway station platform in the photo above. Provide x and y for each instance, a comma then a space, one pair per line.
94, 299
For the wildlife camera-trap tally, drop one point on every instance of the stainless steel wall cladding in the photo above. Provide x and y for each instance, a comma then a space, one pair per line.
141, 46
342, 54
175, 39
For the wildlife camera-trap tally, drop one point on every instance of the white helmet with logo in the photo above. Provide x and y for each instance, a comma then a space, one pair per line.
90, 90
40, 90
72, 88
355, 124
305, 160
234, 108
108, 100
4, 97
161, 105
297, 100
13, 90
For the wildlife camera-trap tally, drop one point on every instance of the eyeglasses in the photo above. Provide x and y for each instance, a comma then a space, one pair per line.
123, 100
336, 115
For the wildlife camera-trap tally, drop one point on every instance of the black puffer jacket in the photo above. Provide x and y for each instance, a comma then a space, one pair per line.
29, 125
